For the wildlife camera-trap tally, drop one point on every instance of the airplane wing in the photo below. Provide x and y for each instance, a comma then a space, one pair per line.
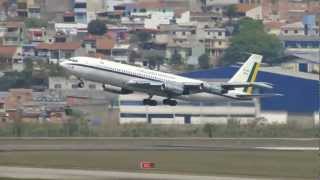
144, 83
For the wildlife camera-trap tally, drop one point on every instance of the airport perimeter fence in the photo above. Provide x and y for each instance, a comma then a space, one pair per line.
82, 129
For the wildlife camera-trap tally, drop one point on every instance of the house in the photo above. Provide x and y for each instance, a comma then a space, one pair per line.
104, 46
11, 58
287, 10
58, 50
13, 33
85, 11
215, 40
3, 113
14, 101
37, 35
71, 28
54, 9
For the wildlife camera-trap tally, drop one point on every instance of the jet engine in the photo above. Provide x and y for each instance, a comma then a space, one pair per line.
213, 89
116, 90
173, 88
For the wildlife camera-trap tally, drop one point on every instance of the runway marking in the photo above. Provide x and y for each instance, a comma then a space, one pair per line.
291, 148
50, 173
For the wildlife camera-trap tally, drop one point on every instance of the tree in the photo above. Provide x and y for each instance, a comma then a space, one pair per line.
176, 59
35, 23
143, 36
97, 27
155, 60
231, 11
250, 37
203, 61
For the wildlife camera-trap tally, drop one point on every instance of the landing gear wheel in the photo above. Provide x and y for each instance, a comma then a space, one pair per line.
149, 102
170, 102
81, 84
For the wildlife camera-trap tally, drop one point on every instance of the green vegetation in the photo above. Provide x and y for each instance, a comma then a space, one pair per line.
300, 164
97, 27
204, 61
250, 37
140, 36
35, 23
155, 60
231, 11
176, 59
76, 127
33, 74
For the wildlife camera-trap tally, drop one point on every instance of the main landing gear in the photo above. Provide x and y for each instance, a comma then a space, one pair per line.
150, 102
170, 102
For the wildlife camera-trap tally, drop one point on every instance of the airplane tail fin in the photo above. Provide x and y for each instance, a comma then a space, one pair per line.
247, 74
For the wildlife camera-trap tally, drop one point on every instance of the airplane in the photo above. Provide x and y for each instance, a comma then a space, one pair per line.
126, 79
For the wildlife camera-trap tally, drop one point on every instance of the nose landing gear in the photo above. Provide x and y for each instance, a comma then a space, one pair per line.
81, 84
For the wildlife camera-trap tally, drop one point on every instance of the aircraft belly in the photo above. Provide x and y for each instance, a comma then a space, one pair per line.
203, 97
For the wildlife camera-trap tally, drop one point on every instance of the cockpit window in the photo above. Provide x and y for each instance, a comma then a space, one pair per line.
73, 60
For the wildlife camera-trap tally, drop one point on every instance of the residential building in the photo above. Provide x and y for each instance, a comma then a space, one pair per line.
71, 28
15, 100
28, 8
288, 10
13, 33
54, 9
11, 58
216, 42
37, 35
57, 51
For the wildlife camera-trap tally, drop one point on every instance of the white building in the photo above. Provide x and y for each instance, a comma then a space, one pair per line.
132, 111
71, 28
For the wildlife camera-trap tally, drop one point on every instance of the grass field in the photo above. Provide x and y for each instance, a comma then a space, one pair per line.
293, 164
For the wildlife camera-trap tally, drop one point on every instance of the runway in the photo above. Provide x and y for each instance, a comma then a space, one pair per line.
158, 144
49, 173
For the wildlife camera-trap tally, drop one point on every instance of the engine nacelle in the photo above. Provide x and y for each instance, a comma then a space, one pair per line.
213, 89
173, 88
116, 90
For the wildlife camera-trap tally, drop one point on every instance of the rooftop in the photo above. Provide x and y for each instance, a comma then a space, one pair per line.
59, 45
105, 43
7, 51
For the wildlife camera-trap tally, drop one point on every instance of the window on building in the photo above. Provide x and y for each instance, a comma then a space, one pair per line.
208, 33
57, 86
219, 33
220, 43
296, 31
286, 31
183, 33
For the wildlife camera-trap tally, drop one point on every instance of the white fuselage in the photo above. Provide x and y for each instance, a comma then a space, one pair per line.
117, 74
